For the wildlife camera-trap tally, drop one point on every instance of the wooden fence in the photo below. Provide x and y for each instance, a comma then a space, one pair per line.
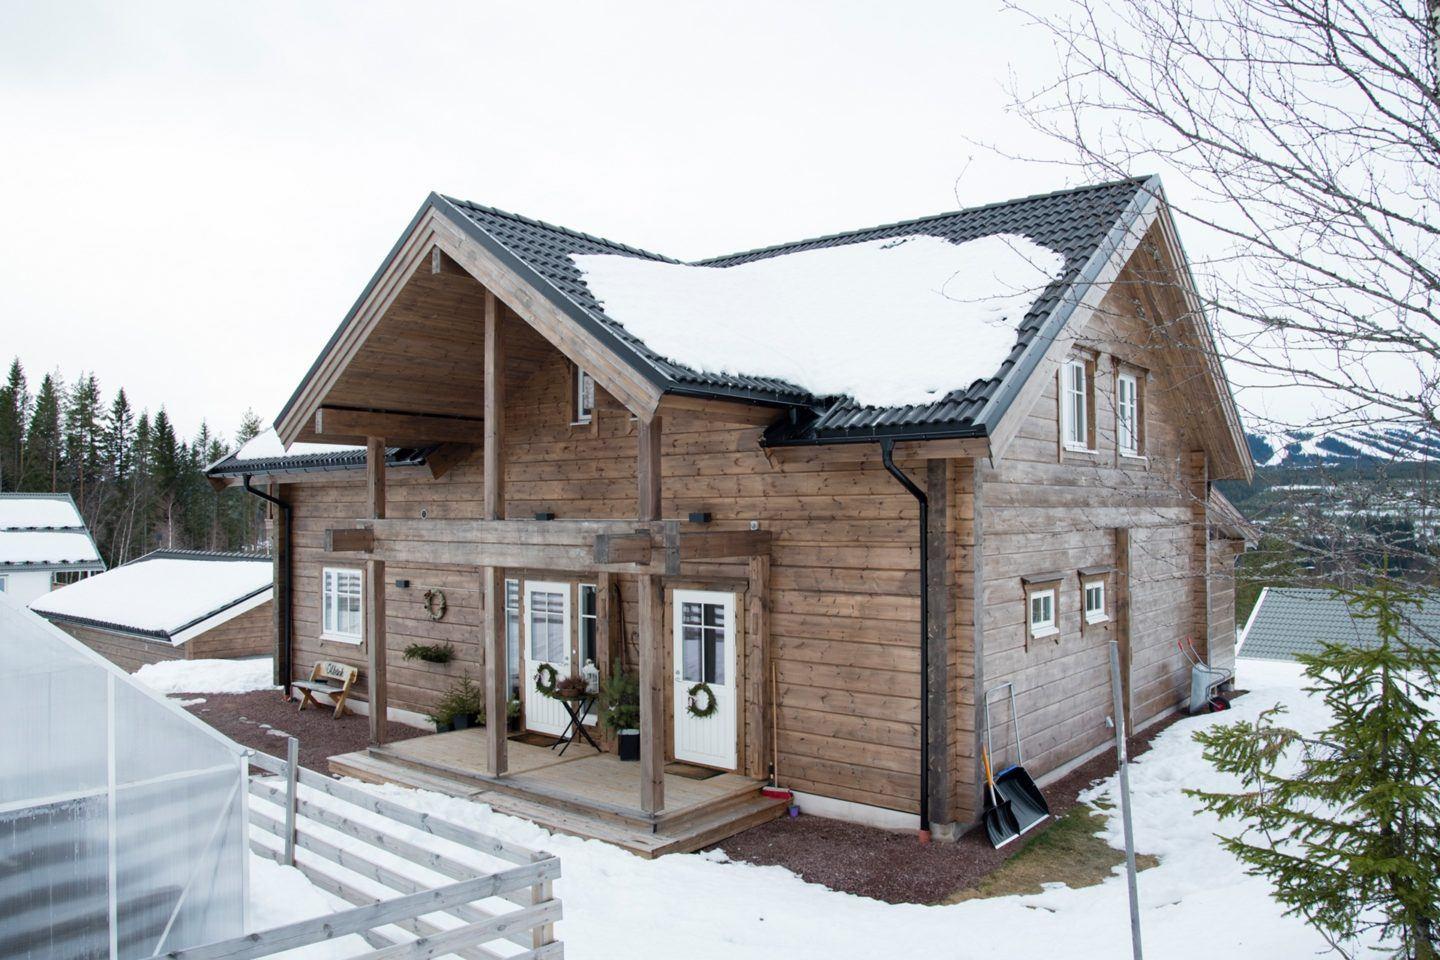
445, 920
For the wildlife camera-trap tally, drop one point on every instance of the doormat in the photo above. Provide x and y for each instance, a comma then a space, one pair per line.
536, 739
690, 772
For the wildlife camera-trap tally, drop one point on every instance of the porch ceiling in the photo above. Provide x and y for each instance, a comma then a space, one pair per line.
426, 353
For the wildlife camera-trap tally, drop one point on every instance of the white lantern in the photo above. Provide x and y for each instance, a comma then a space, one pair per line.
591, 673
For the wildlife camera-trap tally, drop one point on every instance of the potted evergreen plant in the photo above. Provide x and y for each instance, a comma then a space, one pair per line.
462, 706
620, 694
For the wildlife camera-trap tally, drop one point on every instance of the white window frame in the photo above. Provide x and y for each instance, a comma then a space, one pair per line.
1127, 414
514, 641
581, 618
584, 387
329, 608
1048, 627
1103, 613
1075, 404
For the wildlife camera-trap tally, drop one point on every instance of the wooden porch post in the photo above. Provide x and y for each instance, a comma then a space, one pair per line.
375, 594
652, 631
492, 578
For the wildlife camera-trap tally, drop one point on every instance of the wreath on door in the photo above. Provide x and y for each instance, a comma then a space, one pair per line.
545, 679
693, 707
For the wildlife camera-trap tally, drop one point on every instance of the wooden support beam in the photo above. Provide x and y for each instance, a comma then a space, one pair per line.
334, 424
492, 585
622, 548
647, 468
758, 733
652, 693
350, 540
716, 544
375, 596
721, 411
939, 586
494, 438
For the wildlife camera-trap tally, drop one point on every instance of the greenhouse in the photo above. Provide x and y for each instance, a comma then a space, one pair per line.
122, 817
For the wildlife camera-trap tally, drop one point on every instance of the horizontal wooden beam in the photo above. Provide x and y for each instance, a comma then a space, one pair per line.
955, 448
623, 548
714, 544
351, 540
402, 429
722, 411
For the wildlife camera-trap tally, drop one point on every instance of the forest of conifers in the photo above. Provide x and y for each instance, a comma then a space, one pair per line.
138, 485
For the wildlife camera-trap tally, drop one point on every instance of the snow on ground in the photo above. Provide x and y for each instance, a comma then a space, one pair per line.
209, 676
1198, 900
164, 593
281, 895
947, 312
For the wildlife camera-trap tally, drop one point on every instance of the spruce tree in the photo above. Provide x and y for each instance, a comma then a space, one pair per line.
82, 443
14, 413
44, 444
1346, 824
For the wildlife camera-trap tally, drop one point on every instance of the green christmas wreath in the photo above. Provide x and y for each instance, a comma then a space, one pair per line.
693, 708
545, 679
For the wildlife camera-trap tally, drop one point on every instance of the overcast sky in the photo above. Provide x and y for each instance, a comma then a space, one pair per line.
193, 194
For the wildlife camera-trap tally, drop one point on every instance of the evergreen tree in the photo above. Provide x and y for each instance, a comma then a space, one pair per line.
44, 443
119, 438
251, 510
82, 444
14, 414
166, 465
1348, 822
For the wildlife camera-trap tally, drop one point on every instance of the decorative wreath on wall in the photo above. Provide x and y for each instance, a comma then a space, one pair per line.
545, 679
693, 707
435, 603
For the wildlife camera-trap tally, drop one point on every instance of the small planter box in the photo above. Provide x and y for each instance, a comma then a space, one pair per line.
629, 744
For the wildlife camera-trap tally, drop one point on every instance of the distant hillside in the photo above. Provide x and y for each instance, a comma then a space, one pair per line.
1356, 446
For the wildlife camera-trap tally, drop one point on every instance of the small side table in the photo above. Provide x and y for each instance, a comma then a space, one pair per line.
576, 707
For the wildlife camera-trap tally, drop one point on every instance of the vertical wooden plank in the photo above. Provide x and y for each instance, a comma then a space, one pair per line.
652, 693
492, 588
648, 468
375, 595
977, 580
1122, 614
606, 646
494, 462
757, 668
1199, 471
939, 585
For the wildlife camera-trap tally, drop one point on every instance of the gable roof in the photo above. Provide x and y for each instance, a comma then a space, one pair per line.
44, 531
1087, 226
166, 595
265, 454
1287, 621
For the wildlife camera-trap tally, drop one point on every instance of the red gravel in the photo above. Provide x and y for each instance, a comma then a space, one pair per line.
248, 718
889, 865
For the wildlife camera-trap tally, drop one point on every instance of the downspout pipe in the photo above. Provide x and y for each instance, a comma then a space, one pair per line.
887, 452
282, 657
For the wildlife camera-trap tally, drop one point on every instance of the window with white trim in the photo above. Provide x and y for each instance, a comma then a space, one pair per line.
512, 637
1075, 404
1127, 414
584, 397
1042, 613
341, 601
1095, 611
589, 623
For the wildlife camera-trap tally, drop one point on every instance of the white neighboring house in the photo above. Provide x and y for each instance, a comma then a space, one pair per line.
43, 545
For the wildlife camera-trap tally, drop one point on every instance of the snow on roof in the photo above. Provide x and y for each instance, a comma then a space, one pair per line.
890, 322
267, 446
46, 547
22, 511
160, 594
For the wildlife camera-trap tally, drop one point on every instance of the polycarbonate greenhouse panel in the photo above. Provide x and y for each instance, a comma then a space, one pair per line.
122, 818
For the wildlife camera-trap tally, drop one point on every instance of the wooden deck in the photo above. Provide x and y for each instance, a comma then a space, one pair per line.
584, 793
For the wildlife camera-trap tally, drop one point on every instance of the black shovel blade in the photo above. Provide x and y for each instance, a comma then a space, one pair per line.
1027, 803
1000, 824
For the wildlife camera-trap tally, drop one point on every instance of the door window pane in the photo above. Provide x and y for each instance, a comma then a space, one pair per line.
703, 641
547, 626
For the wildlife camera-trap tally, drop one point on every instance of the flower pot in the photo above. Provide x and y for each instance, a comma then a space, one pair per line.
445, 727
629, 744
461, 721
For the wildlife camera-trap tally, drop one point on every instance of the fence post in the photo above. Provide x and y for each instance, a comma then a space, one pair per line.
292, 786
543, 933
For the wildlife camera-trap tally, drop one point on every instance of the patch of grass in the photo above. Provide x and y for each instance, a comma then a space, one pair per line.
1067, 852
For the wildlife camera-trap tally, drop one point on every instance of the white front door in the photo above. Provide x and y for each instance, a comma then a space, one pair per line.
705, 654
547, 628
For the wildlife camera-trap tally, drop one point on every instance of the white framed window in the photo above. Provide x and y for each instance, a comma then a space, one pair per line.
342, 605
1127, 414
1075, 404
584, 397
1095, 611
512, 637
589, 624
1042, 612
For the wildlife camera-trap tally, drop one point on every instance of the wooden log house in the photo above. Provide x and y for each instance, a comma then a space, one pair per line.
578, 496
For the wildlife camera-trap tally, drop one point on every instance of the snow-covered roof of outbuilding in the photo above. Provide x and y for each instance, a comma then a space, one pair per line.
45, 531
169, 595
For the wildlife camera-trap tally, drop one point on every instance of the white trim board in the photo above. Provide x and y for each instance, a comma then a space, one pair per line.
852, 812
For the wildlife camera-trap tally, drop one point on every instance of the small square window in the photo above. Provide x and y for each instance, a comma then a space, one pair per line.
1095, 602
1042, 613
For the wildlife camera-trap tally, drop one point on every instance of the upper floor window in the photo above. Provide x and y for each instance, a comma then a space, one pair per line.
1076, 407
1127, 413
584, 410
340, 598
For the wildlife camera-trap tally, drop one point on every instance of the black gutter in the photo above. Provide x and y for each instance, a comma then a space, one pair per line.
887, 449
282, 620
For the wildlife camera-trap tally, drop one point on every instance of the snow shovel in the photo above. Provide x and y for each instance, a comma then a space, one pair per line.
1000, 825
1014, 784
